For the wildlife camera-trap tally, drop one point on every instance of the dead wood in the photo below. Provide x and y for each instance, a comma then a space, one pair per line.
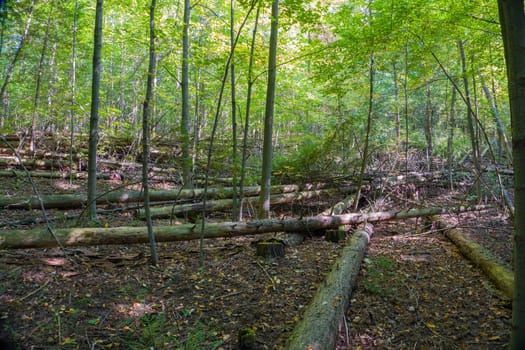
222, 204
502, 277
38, 238
319, 327
78, 200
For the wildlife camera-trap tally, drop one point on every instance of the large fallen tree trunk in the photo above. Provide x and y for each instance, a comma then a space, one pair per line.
41, 238
319, 327
78, 200
502, 277
222, 204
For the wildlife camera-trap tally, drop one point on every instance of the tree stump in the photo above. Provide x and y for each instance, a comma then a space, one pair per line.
270, 249
336, 235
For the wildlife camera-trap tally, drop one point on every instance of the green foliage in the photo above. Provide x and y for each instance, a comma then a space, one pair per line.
201, 337
151, 332
323, 89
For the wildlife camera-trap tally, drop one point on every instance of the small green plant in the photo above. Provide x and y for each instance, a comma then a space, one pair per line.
201, 337
152, 332
381, 277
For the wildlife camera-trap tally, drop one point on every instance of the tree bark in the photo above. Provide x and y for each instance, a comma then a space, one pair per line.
185, 121
319, 327
512, 19
93, 120
147, 112
264, 199
501, 129
38, 238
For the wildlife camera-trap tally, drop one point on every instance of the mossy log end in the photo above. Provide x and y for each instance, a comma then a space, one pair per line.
502, 277
318, 329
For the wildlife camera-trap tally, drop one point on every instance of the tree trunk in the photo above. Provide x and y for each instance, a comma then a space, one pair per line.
450, 140
371, 73
470, 122
185, 121
23, 38
247, 114
235, 157
512, 19
40, 71
501, 129
93, 121
146, 135
428, 128
73, 91
40, 238
319, 327
69, 201
264, 200
222, 204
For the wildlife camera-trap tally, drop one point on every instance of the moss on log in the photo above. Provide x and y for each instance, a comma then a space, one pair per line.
319, 327
502, 277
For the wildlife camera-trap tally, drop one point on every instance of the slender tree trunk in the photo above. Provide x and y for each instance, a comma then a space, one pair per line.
450, 141
185, 121
428, 128
264, 199
247, 114
405, 93
499, 123
212, 137
9, 70
371, 73
3, 15
40, 71
470, 121
93, 121
73, 91
512, 19
235, 157
154, 260
397, 112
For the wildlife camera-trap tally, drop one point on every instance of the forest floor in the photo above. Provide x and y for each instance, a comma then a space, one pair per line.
414, 291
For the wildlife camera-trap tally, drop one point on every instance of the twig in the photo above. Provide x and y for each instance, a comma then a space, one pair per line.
33, 292
267, 274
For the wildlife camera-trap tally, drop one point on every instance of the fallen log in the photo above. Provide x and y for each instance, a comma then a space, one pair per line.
502, 277
78, 200
41, 238
319, 326
222, 204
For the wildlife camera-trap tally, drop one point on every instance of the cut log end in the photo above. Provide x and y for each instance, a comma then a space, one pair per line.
270, 249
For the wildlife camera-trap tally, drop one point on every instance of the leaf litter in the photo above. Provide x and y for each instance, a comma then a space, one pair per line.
414, 291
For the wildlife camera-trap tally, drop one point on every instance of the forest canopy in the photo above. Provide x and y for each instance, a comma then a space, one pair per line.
322, 92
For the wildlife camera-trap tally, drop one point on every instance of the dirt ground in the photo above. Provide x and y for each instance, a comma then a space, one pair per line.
414, 291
